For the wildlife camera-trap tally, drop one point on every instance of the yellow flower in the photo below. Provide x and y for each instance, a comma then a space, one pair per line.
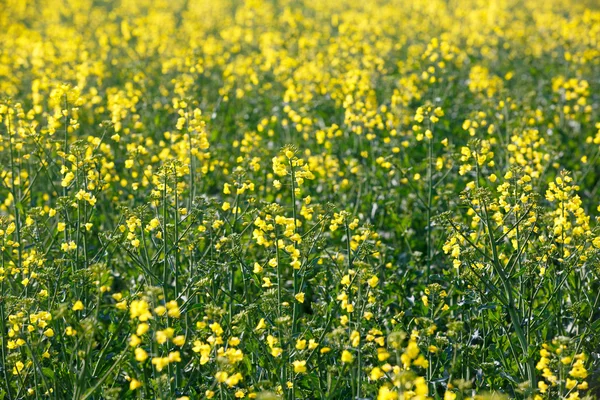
68, 178
276, 351
19, 366
160, 363
373, 281
578, 370
142, 329
216, 328
261, 325
134, 341
140, 309
299, 367
174, 356
386, 393
347, 357
153, 224
345, 280
449, 395
376, 374
221, 376
49, 332
134, 384
299, 297
421, 362
234, 379
174, 312
300, 344
78, 306
179, 340
267, 282
140, 354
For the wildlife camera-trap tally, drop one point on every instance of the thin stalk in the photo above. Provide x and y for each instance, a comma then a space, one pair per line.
429, 200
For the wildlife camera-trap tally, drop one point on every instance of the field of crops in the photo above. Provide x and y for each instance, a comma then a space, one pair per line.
299, 199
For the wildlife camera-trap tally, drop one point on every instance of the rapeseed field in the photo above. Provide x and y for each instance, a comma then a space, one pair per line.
299, 199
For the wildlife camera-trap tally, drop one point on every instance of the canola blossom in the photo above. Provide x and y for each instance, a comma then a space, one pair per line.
299, 199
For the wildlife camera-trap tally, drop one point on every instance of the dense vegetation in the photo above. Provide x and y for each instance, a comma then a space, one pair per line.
299, 199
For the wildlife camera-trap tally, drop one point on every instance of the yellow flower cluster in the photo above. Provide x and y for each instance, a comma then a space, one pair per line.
563, 371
